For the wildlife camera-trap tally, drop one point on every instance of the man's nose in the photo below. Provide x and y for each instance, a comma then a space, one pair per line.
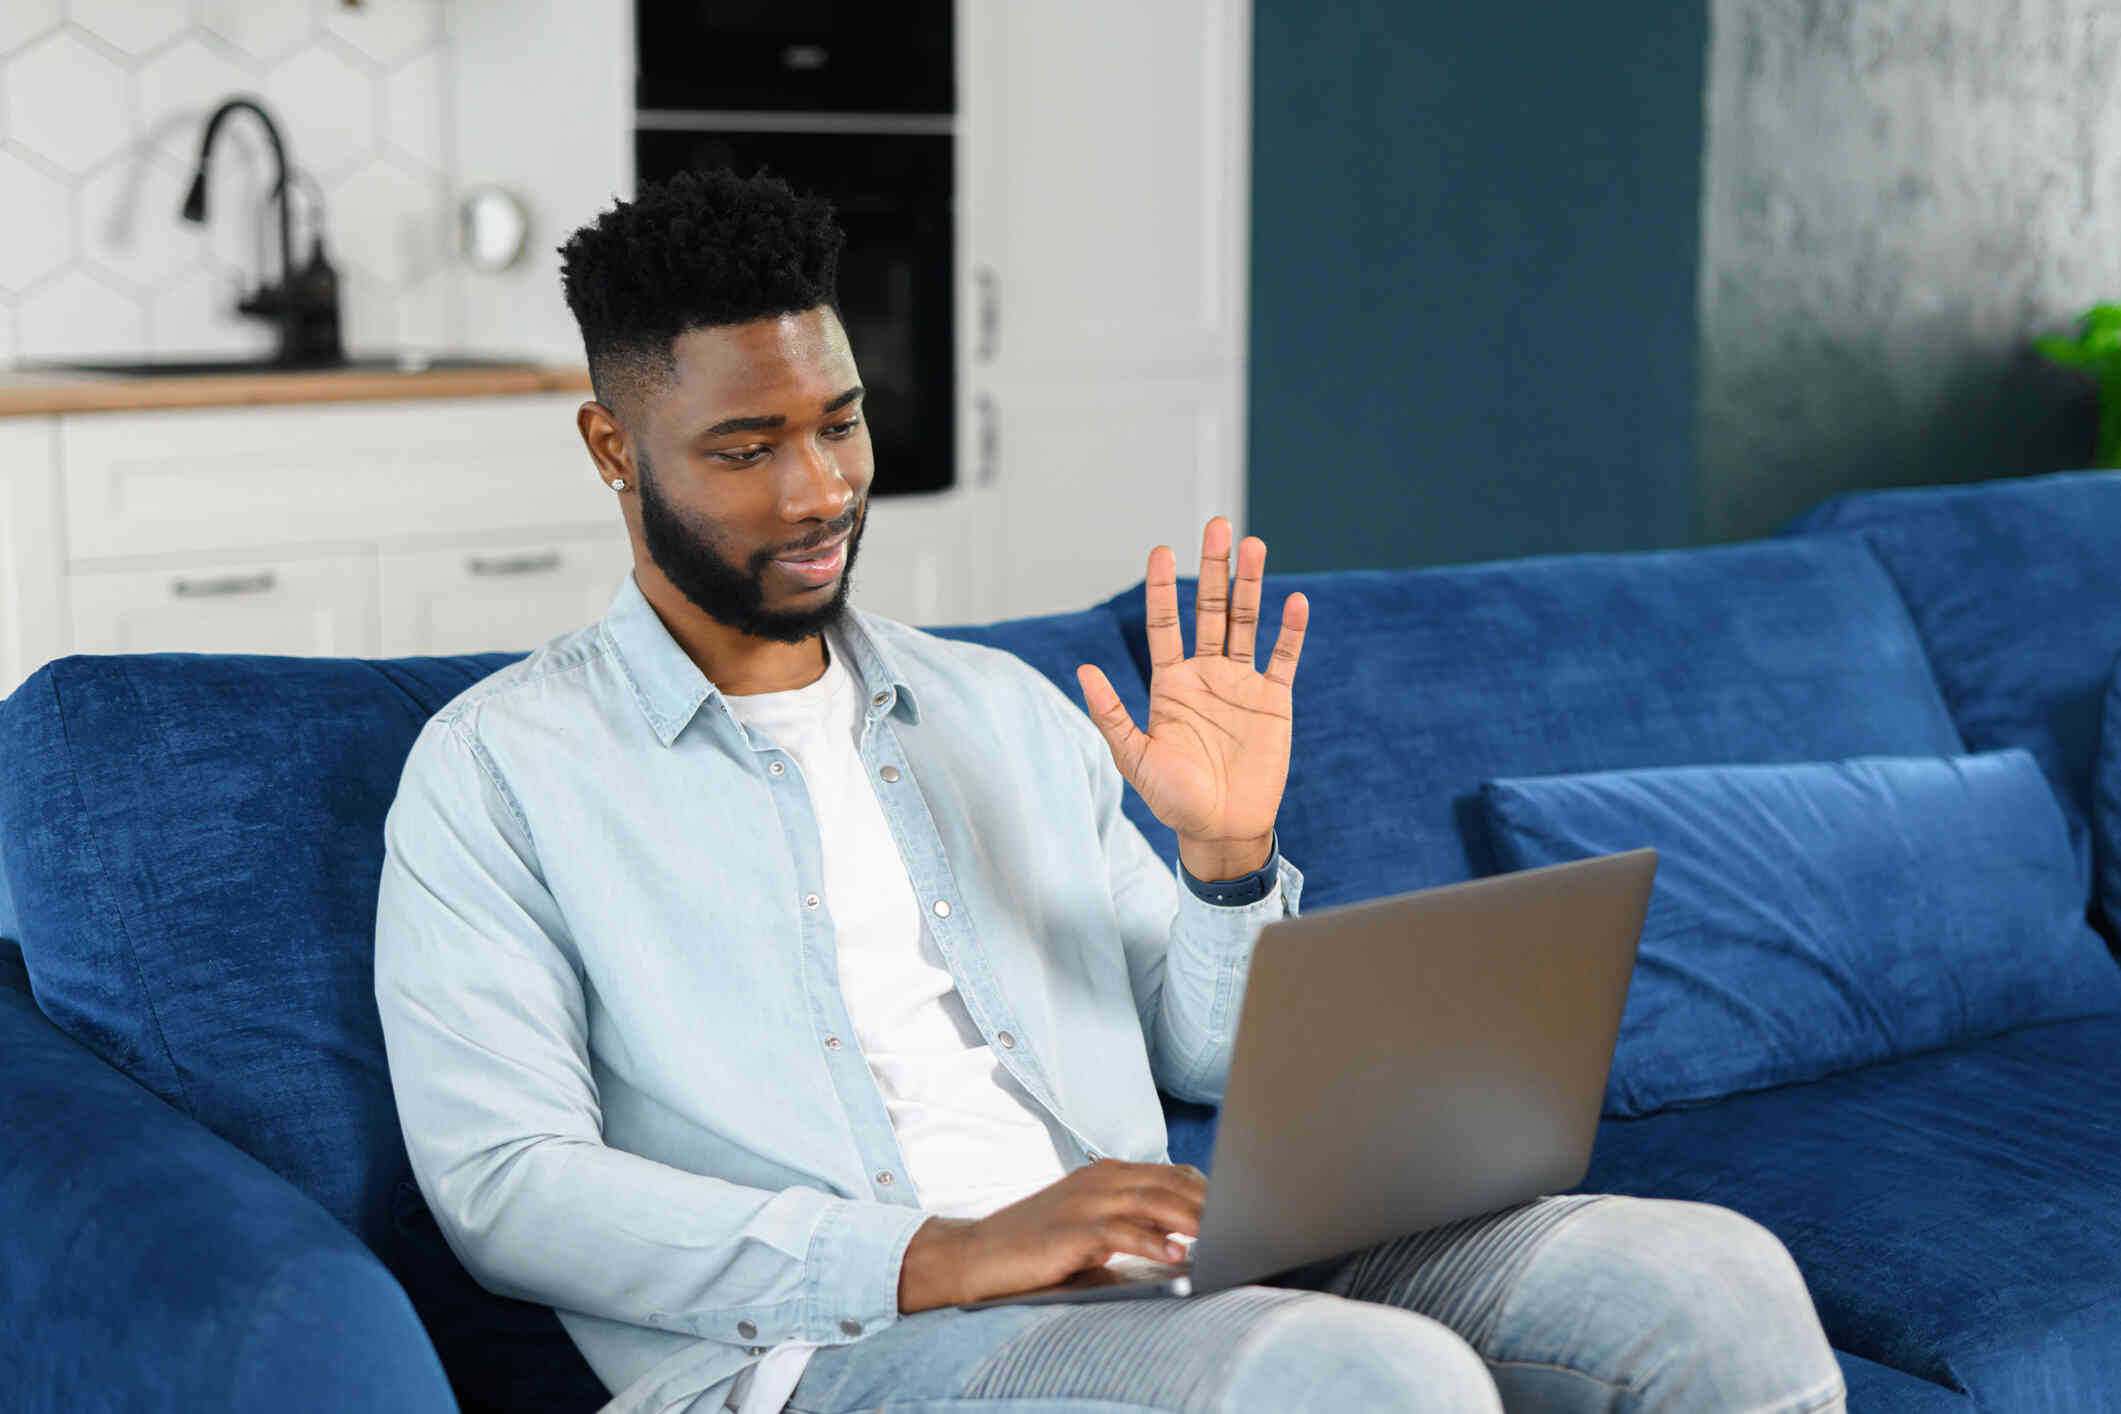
815, 489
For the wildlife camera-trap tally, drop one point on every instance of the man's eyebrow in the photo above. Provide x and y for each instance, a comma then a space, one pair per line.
770, 421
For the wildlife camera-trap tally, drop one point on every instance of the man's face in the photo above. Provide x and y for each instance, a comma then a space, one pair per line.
757, 451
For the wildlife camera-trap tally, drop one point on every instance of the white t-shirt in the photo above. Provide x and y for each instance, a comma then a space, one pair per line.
972, 1138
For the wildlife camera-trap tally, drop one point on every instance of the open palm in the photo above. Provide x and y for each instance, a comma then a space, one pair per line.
1214, 756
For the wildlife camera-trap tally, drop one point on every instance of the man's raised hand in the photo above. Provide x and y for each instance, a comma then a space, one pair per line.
1214, 757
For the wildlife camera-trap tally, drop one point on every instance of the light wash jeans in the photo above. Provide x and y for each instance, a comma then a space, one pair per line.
1566, 1304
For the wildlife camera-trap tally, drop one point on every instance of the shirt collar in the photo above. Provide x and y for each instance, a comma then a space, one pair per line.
670, 688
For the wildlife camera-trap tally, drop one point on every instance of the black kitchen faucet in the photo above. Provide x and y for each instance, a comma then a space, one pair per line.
305, 303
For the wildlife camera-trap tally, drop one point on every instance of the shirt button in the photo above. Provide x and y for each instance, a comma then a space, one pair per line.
885, 1179
942, 908
850, 1327
1008, 1041
889, 773
881, 698
832, 1043
747, 1330
810, 900
776, 768
756, 1350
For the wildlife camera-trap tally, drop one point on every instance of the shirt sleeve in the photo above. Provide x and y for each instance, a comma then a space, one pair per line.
1187, 953
480, 990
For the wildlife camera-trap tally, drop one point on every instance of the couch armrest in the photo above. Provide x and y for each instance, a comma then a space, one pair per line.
146, 1264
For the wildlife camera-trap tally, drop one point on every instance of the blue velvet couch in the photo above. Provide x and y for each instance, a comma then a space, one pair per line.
204, 1197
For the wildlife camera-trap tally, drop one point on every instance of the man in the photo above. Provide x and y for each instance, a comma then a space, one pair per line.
763, 979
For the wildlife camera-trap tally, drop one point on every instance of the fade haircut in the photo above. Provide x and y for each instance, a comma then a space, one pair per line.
699, 250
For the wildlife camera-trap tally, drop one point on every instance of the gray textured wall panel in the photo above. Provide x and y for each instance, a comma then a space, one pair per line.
1897, 195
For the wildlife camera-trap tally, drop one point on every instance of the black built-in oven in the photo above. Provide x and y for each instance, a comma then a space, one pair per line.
797, 56
854, 102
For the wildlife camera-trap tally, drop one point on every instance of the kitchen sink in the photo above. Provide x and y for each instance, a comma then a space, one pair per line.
181, 367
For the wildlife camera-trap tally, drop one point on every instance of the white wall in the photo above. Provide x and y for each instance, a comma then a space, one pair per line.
391, 105
102, 105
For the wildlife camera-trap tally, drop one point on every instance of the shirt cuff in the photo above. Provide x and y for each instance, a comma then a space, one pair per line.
854, 1264
1241, 891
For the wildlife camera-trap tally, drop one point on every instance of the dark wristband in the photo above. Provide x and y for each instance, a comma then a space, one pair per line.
1246, 888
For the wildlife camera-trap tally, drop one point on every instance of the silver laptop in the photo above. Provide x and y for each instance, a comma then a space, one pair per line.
1402, 1063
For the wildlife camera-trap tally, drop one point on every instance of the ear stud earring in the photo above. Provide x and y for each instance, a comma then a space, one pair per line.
619, 485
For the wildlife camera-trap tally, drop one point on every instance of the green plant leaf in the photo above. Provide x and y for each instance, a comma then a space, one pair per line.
2067, 352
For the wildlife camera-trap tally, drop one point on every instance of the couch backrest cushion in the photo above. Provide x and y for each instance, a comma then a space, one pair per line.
1417, 685
2106, 810
2015, 588
1816, 917
193, 845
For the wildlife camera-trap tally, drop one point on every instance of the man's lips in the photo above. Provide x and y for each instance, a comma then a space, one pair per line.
824, 551
817, 567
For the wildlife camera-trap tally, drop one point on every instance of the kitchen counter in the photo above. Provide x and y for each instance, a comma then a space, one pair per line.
26, 392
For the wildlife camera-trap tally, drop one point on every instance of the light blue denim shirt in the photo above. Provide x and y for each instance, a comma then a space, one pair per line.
627, 1078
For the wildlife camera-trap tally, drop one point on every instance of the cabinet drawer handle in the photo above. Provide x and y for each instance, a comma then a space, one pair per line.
990, 313
539, 562
260, 583
990, 441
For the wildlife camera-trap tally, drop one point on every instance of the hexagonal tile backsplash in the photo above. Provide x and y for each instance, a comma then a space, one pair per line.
102, 105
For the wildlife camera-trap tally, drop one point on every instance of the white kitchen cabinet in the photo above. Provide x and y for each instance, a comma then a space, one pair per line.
320, 606
232, 478
32, 605
1104, 230
1094, 476
1107, 147
357, 529
498, 596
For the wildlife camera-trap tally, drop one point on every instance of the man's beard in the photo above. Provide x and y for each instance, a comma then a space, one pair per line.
685, 552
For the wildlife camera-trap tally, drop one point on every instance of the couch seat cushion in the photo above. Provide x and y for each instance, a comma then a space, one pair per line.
1957, 1214
1877, 1389
1816, 917
2015, 587
1417, 685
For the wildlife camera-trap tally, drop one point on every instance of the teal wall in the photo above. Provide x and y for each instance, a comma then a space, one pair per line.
1474, 254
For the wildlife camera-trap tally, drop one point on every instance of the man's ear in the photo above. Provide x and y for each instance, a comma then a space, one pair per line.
608, 446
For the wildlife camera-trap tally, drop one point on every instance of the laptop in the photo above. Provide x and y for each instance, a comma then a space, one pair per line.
1402, 1063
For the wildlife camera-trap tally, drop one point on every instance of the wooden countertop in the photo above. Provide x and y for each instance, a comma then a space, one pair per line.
27, 391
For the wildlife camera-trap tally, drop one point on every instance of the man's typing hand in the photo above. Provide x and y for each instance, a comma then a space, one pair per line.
1094, 1214
1213, 757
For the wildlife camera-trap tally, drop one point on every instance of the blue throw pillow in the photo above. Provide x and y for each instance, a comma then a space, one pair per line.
1813, 918
2106, 808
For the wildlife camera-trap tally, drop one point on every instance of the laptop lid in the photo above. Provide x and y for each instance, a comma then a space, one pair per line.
1408, 1061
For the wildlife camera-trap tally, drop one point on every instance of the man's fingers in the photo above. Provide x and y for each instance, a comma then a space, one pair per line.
1138, 1240
1289, 643
1109, 715
1159, 1208
1166, 644
1211, 600
1244, 604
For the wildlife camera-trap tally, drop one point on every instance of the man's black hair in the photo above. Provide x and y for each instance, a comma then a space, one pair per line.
701, 249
